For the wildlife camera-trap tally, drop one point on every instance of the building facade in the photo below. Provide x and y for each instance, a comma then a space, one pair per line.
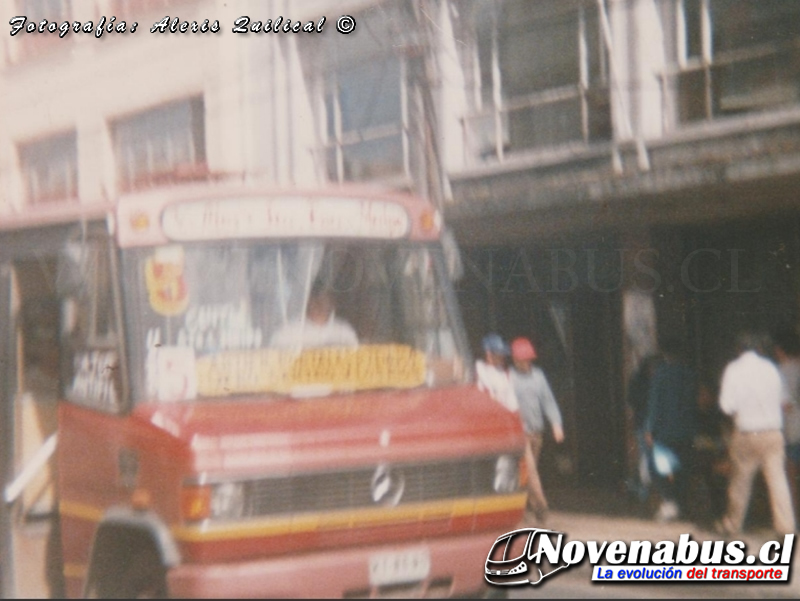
614, 170
629, 175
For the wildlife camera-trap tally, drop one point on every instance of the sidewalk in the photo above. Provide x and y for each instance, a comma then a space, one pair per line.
576, 581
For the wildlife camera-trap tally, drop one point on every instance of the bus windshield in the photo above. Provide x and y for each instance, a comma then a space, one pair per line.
299, 318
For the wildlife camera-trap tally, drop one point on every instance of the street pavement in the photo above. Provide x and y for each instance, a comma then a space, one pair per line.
575, 582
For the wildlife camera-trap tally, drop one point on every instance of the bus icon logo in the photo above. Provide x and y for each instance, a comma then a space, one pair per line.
518, 557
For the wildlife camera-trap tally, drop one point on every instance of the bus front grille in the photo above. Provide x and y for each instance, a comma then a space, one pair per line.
396, 484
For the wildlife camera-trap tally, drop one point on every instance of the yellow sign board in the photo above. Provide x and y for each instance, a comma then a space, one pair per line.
334, 369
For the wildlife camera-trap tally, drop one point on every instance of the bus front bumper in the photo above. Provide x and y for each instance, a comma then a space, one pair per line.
451, 565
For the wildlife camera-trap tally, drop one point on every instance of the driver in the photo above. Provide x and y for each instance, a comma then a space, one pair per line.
320, 327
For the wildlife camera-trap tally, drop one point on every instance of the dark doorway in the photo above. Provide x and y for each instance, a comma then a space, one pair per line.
600, 413
727, 278
567, 301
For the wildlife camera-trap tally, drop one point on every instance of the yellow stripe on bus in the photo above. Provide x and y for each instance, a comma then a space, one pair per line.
348, 519
293, 524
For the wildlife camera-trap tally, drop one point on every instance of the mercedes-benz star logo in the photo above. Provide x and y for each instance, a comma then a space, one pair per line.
387, 486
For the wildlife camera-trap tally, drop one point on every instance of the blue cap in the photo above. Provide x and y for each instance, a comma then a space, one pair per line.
493, 343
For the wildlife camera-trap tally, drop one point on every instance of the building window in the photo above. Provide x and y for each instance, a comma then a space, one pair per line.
365, 100
54, 11
50, 168
543, 78
736, 57
162, 145
130, 10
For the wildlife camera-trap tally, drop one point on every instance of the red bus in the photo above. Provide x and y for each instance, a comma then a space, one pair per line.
222, 391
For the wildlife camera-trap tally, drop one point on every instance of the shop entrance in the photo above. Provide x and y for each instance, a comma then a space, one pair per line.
728, 278
29, 356
566, 298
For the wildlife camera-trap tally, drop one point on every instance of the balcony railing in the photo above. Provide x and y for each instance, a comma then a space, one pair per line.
550, 118
741, 81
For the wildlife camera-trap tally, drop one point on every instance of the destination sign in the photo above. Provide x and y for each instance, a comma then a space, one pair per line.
285, 217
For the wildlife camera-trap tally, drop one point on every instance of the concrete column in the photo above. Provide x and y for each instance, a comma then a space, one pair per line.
97, 174
452, 105
225, 107
259, 94
303, 122
7, 12
620, 67
647, 38
12, 189
640, 333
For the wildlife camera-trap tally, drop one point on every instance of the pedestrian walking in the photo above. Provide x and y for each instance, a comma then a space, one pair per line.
537, 405
670, 427
753, 393
787, 351
637, 399
492, 374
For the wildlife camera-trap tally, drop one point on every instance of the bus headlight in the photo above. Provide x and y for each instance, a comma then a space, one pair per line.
506, 474
227, 500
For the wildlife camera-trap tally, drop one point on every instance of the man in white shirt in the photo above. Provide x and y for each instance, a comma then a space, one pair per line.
787, 351
320, 327
492, 375
753, 393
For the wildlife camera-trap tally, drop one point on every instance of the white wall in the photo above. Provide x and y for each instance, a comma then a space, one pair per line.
262, 110
87, 83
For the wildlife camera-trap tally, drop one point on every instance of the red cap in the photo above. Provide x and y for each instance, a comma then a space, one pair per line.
523, 350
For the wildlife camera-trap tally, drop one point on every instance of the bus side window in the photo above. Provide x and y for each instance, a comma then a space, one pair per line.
91, 367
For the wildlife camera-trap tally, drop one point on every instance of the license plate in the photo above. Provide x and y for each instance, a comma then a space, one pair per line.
399, 566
